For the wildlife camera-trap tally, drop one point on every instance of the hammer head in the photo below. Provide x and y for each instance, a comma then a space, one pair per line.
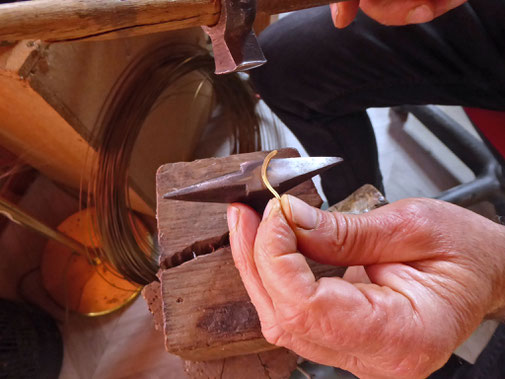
233, 40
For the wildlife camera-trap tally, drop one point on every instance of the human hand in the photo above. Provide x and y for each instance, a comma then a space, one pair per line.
436, 270
392, 12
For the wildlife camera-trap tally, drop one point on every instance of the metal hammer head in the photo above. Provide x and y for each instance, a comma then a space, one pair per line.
233, 40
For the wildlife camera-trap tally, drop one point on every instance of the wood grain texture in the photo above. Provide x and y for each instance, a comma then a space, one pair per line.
78, 19
207, 311
73, 19
183, 224
363, 200
262, 21
275, 364
281, 6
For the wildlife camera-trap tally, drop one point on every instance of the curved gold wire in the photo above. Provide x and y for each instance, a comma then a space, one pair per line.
264, 177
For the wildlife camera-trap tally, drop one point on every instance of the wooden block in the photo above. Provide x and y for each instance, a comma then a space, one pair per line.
206, 310
207, 315
152, 295
185, 227
275, 364
363, 200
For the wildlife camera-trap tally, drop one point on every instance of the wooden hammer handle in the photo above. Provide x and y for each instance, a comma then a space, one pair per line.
281, 6
63, 20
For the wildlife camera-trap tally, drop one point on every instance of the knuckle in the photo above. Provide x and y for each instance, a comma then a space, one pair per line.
412, 208
335, 226
413, 215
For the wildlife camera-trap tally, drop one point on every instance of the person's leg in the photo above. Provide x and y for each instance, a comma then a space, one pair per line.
320, 80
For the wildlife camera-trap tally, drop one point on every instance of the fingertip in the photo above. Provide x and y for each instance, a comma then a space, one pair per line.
243, 224
274, 232
420, 14
270, 205
286, 207
232, 215
298, 213
334, 14
344, 13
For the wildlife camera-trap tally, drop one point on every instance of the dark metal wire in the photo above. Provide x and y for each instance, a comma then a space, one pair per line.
130, 102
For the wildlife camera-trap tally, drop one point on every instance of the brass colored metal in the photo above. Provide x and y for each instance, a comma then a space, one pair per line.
16, 215
264, 176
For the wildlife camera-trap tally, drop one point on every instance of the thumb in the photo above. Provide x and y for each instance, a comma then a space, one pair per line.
344, 13
393, 233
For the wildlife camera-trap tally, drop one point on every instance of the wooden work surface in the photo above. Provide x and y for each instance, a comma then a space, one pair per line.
206, 313
200, 302
186, 227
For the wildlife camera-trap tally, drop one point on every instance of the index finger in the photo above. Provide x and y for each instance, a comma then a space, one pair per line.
331, 311
283, 270
404, 12
299, 301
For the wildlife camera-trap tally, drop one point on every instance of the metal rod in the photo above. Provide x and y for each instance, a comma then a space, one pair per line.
16, 215
465, 146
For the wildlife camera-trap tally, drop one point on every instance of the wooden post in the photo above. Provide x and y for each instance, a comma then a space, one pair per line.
52, 20
261, 23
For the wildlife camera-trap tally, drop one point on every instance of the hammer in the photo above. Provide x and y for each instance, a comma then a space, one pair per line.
233, 40
229, 22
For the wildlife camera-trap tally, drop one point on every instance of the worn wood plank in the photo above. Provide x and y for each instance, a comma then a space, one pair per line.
72, 19
77, 19
363, 200
207, 311
207, 314
184, 227
275, 364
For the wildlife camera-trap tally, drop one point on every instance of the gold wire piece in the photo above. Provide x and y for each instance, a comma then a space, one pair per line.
267, 184
264, 169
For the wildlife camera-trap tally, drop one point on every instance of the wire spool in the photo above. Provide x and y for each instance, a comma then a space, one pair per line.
82, 282
136, 94
30, 343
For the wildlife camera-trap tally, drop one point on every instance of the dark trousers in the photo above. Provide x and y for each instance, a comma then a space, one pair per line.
320, 80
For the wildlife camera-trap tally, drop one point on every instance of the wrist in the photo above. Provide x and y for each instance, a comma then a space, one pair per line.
497, 308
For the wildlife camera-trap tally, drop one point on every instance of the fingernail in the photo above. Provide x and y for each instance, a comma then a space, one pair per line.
334, 13
302, 214
268, 209
233, 215
422, 13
